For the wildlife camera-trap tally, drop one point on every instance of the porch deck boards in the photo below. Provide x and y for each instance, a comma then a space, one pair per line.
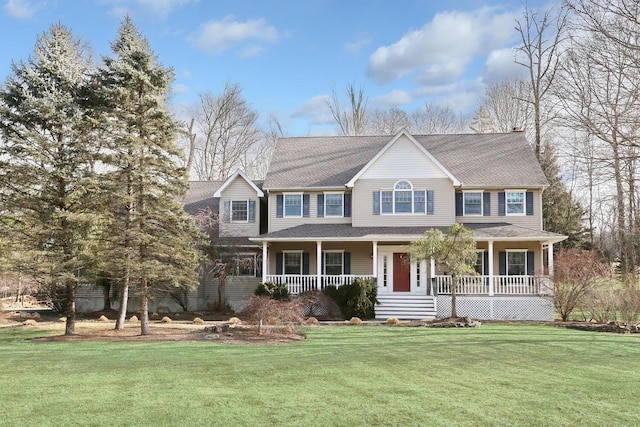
409, 307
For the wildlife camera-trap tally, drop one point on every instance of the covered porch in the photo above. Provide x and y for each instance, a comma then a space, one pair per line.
512, 262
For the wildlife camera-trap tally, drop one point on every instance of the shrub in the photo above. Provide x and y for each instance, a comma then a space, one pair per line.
288, 330
30, 322
155, 316
311, 321
357, 299
198, 321
355, 321
166, 319
272, 290
103, 318
234, 321
393, 321
272, 311
318, 304
134, 319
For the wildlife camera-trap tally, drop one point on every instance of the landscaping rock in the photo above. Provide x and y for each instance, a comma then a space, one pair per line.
217, 329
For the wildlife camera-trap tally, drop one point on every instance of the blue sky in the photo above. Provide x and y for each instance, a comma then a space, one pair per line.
288, 55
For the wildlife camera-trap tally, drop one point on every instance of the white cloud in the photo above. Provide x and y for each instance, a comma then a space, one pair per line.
443, 48
393, 98
160, 8
180, 89
21, 9
500, 65
216, 36
317, 109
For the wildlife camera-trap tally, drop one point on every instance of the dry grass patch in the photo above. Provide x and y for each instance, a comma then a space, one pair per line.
355, 321
134, 319
30, 322
103, 318
166, 319
393, 321
198, 321
311, 321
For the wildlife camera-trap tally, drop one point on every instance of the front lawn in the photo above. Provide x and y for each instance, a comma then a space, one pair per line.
495, 375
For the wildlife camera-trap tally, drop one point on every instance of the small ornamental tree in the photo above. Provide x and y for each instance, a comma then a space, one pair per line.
455, 252
576, 272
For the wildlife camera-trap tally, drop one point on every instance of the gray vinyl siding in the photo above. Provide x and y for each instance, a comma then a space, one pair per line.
444, 203
276, 223
530, 221
239, 189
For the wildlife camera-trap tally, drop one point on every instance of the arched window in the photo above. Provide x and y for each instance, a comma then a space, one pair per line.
403, 197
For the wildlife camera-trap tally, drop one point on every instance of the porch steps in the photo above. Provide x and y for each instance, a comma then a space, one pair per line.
414, 307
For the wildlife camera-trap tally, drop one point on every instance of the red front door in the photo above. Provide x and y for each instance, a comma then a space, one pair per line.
401, 272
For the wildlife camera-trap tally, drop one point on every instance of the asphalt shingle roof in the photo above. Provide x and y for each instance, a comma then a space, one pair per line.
485, 231
476, 160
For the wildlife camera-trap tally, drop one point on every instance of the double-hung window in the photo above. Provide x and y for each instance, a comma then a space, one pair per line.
292, 262
239, 211
293, 205
403, 200
472, 203
517, 263
333, 263
515, 202
334, 204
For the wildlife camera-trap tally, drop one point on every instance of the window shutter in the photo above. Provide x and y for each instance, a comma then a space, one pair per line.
252, 211
305, 205
279, 206
347, 263
486, 204
376, 203
501, 204
530, 263
279, 262
459, 204
430, 202
485, 262
305, 263
529, 198
320, 205
347, 204
226, 215
502, 258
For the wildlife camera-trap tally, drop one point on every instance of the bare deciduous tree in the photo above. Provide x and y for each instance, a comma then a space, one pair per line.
352, 120
433, 119
226, 132
542, 36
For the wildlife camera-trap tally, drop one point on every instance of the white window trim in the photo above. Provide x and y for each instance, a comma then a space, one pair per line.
464, 204
231, 213
393, 200
284, 262
403, 190
507, 261
284, 205
524, 203
324, 258
325, 203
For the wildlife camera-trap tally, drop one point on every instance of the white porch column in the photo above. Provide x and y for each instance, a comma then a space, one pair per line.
490, 272
318, 264
375, 259
550, 258
265, 262
432, 272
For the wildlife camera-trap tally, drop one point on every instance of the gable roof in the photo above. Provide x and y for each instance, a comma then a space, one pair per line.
229, 180
386, 148
475, 160
200, 196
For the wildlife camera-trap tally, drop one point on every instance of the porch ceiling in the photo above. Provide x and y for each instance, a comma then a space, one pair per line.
346, 232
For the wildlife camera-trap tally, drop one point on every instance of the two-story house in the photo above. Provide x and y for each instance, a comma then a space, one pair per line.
337, 208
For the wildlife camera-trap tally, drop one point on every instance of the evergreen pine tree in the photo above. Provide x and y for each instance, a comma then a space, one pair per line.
152, 238
46, 182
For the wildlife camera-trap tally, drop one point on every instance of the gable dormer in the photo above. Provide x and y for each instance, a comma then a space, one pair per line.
239, 206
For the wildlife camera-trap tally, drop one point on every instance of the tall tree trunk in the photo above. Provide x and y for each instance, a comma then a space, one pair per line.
124, 299
70, 325
106, 296
144, 307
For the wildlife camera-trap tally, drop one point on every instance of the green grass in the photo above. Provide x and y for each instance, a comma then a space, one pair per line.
496, 375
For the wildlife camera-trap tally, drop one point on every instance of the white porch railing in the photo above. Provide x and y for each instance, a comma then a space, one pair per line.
297, 283
496, 285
